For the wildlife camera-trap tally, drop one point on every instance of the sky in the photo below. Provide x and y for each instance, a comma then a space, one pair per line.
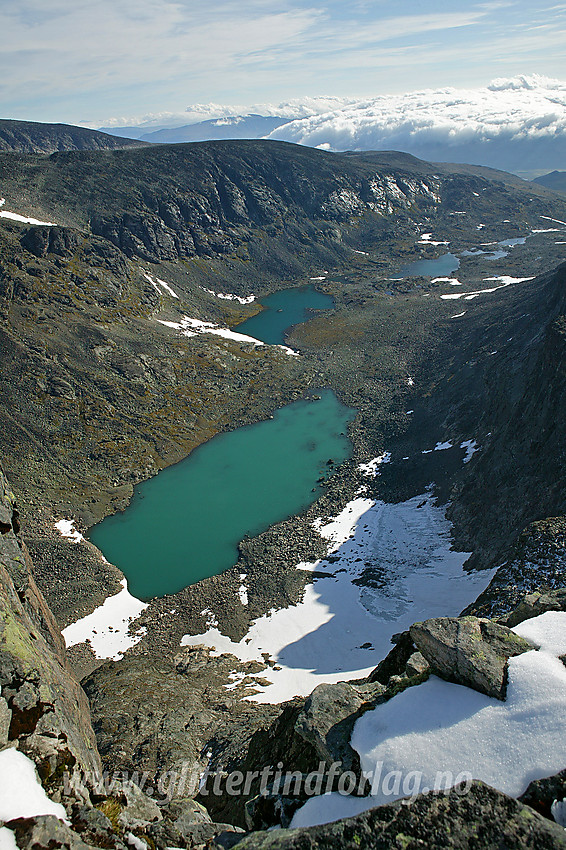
119, 62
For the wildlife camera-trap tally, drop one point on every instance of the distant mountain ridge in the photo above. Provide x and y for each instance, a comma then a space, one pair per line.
251, 126
33, 137
556, 181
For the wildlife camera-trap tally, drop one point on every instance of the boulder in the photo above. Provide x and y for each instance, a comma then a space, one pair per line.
138, 809
535, 604
191, 835
327, 719
469, 651
177, 829
462, 819
46, 832
542, 793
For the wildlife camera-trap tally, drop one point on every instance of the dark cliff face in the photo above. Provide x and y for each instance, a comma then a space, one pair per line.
251, 200
520, 401
33, 137
215, 199
43, 708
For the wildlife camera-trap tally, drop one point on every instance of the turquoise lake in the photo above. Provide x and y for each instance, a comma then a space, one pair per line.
441, 267
283, 310
185, 524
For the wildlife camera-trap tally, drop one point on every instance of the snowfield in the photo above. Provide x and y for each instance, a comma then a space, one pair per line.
340, 630
66, 527
505, 280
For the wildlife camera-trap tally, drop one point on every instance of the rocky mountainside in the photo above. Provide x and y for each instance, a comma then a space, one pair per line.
98, 395
69, 802
33, 137
43, 710
97, 250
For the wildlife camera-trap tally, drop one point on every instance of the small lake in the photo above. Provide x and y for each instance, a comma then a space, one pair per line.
281, 311
441, 267
499, 251
185, 524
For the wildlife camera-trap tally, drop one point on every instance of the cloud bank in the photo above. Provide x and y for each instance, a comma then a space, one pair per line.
516, 124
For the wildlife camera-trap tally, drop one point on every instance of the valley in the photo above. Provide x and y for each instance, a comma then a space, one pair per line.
387, 456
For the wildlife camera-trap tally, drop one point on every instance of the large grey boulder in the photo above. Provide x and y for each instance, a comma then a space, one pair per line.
543, 793
469, 651
138, 809
46, 833
195, 835
327, 719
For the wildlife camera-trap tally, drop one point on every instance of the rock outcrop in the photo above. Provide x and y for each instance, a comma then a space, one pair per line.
481, 818
43, 709
469, 651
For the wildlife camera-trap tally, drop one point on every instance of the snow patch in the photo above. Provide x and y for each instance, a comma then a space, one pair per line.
136, 842
243, 590
547, 632
426, 239
155, 281
193, 327
554, 220
471, 447
21, 794
506, 280
107, 628
210, 618
7, 839
66, 527
453, 281
24, 219
227, 296
372, 466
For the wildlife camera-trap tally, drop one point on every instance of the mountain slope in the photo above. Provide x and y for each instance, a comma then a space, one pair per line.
209, 198
98, 395
556, 181
33, 137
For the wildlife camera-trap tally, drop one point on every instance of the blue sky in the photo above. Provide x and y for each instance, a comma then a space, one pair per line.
88, 62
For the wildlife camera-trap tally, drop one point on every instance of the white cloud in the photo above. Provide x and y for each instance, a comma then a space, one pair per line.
508, 124
75, 60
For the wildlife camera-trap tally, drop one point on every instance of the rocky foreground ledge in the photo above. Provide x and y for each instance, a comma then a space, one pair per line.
54, 791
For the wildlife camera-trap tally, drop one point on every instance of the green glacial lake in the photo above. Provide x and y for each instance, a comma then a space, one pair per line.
281, 311
185, 524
